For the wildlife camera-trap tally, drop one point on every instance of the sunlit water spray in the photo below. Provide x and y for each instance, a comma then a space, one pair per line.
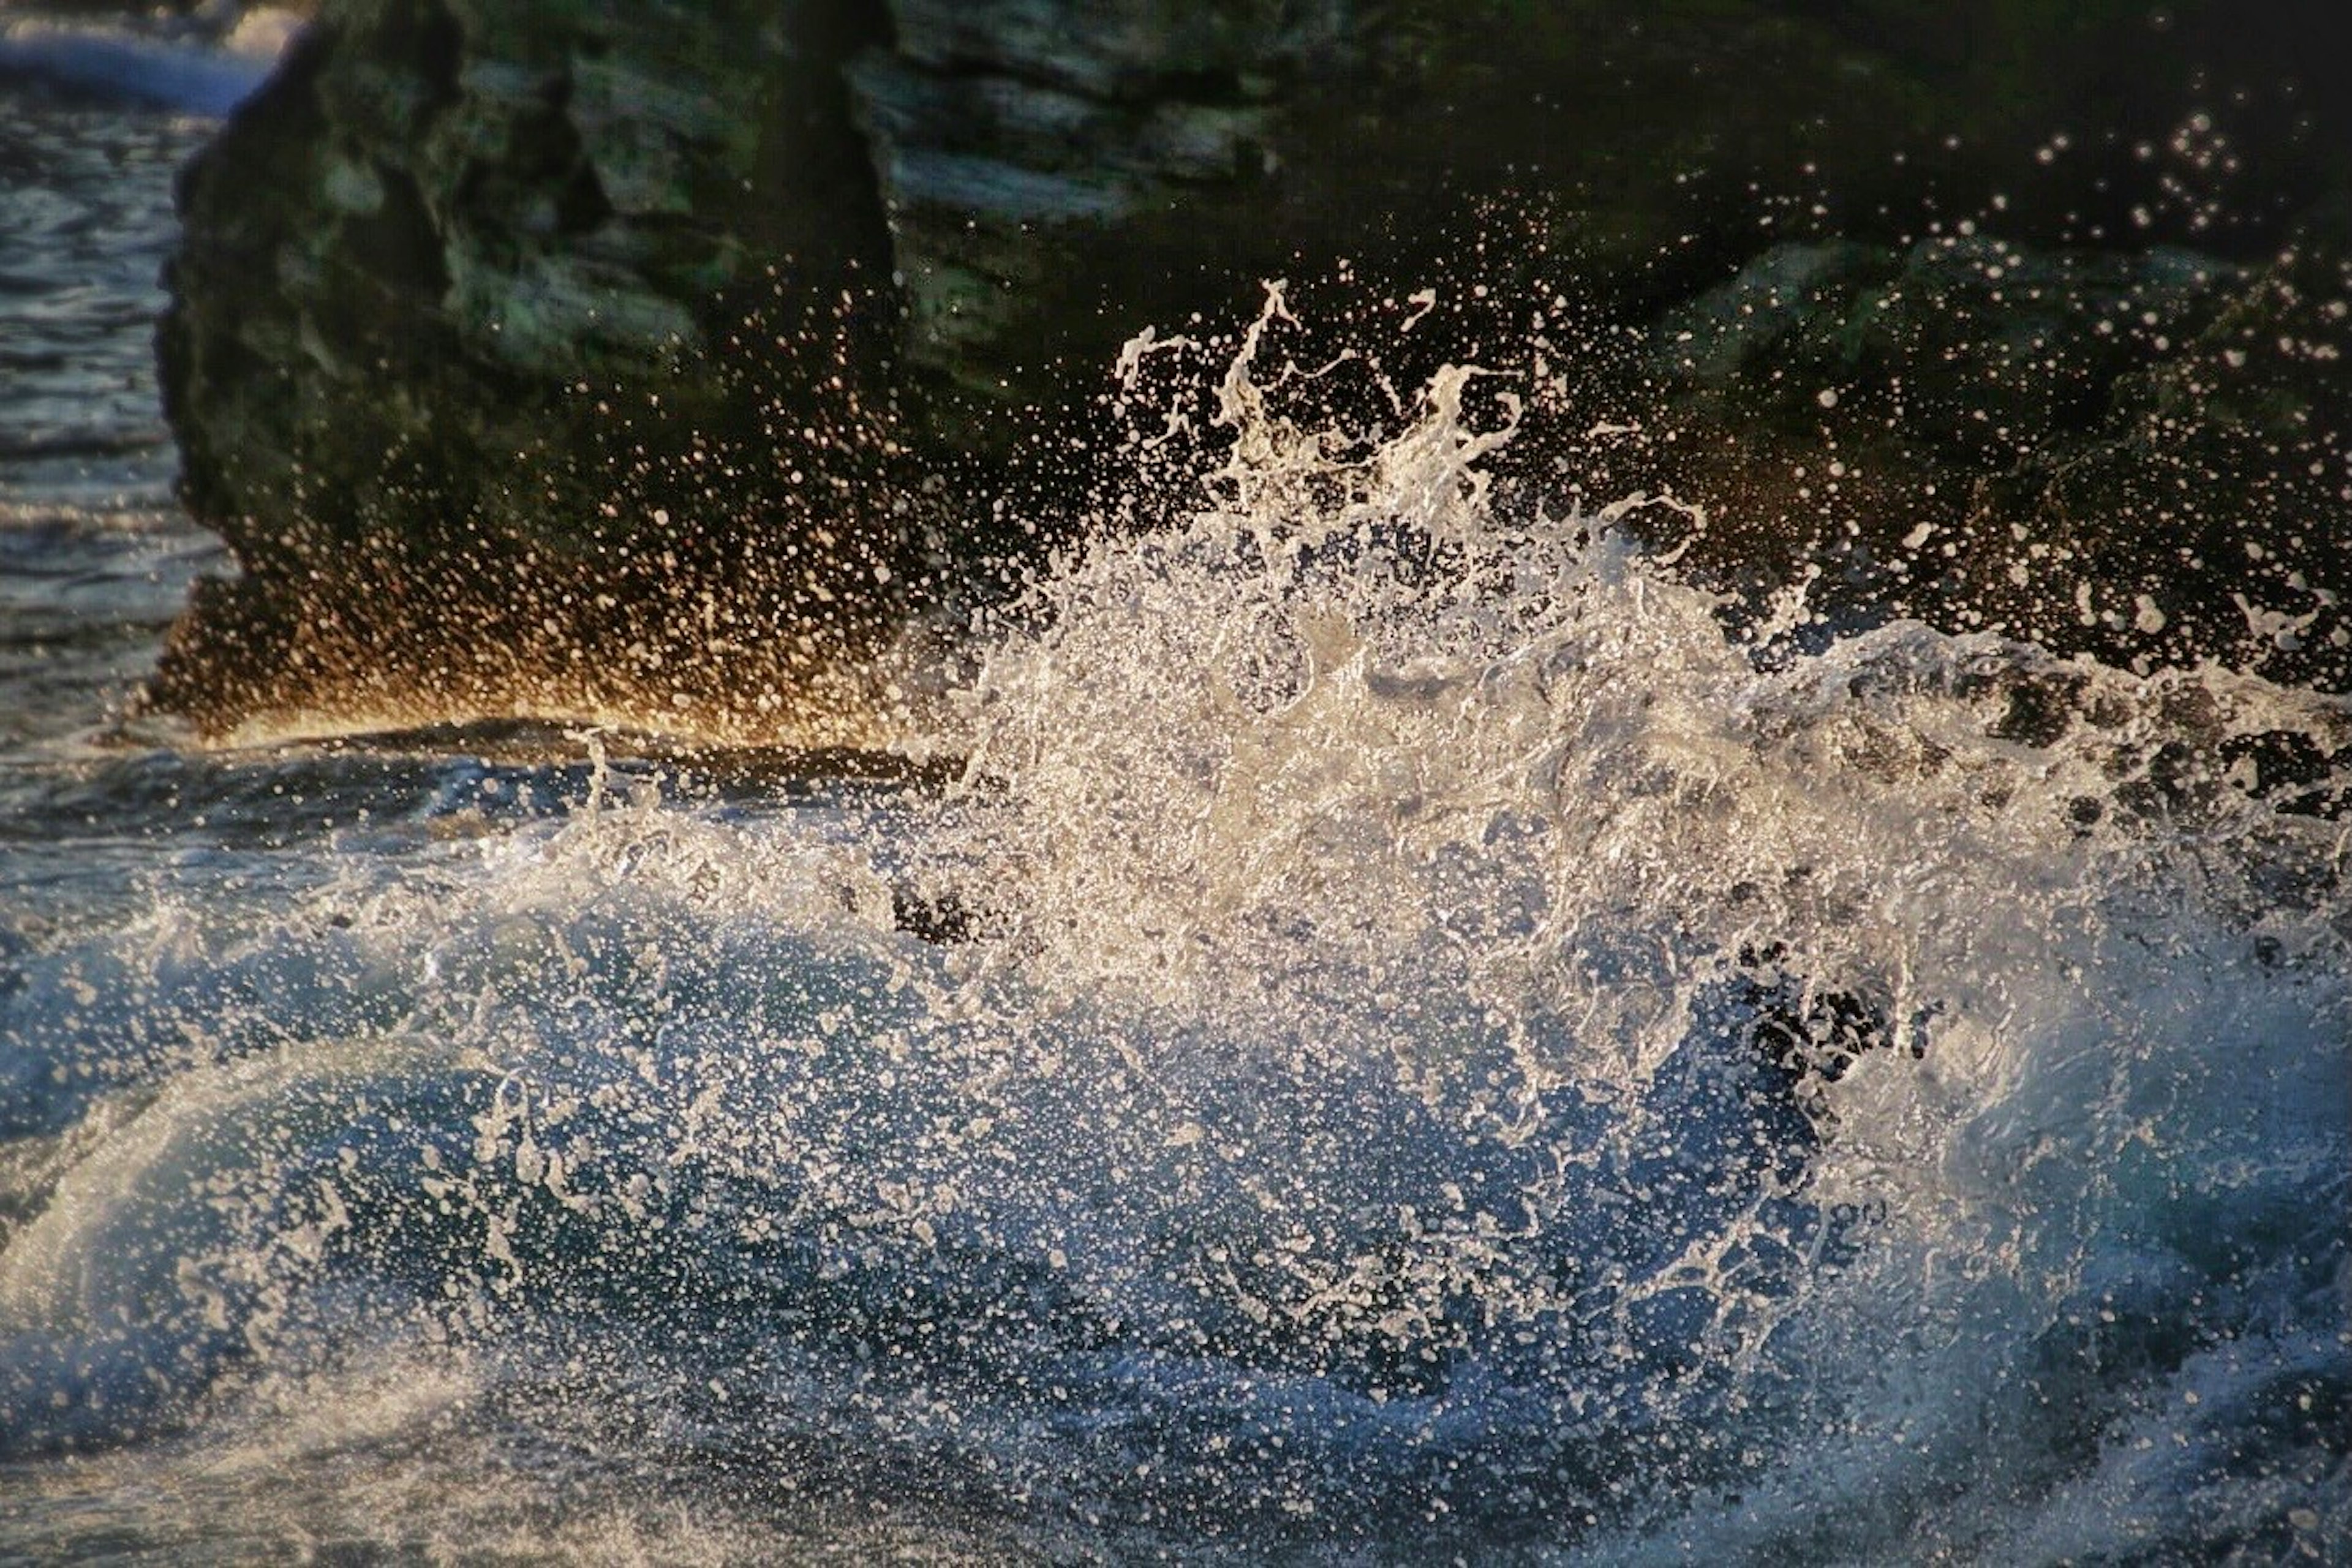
1432, 1042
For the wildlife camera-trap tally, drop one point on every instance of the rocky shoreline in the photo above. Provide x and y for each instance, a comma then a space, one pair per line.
553, 356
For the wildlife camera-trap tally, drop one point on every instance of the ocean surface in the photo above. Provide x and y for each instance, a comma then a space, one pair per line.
1374, 1028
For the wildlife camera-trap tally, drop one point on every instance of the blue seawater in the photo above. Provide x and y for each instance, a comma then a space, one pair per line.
1375, 1029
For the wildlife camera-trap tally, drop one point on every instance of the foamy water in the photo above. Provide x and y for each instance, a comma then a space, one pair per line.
1437, 1045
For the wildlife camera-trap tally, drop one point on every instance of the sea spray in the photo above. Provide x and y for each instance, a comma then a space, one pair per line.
1484, 806
1442, 1043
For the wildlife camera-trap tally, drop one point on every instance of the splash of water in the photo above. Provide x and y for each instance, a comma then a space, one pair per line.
1444, 1044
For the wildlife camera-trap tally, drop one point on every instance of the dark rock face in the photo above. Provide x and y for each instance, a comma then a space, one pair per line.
443, 204
529, 353
445, 355
2123, 452
1017, 140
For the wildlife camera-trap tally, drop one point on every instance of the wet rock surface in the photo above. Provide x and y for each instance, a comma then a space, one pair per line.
708, 325
476, 333
2137, 453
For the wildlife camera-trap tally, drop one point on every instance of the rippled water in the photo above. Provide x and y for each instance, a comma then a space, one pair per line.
1376, 1028
85, 220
